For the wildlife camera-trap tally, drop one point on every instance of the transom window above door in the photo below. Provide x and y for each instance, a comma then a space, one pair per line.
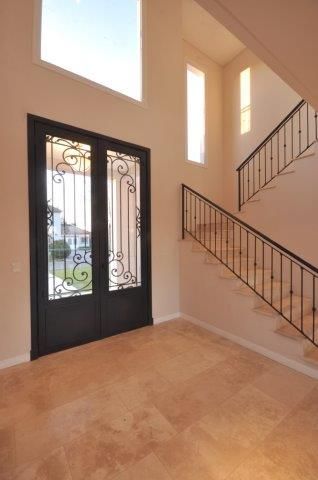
98, 41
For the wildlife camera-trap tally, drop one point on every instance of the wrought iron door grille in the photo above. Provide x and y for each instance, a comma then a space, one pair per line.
68, 187
124, 220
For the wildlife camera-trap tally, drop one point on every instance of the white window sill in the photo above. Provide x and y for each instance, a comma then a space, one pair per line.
66, 73
197, 164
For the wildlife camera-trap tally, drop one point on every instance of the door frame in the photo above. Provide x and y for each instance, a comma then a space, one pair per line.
32, 121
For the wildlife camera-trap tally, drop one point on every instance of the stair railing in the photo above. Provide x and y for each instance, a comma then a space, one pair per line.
280, 278
290, 139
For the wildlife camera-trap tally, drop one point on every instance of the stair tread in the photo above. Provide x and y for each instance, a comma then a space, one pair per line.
285, 303
267, 287
306, 325
197, 247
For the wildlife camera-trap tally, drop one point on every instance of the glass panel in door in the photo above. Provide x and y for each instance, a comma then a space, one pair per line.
69, 229
124, 222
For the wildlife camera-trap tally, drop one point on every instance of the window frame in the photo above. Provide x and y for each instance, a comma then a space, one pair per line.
36, 58
246, 108
192, 63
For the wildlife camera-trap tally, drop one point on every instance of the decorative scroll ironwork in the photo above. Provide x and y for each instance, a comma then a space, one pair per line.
124, 221
68, 218
138, 222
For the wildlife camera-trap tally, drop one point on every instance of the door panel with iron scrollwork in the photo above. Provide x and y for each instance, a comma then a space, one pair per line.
90, 236
123, 202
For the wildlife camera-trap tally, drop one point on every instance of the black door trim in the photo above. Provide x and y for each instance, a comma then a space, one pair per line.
32, 121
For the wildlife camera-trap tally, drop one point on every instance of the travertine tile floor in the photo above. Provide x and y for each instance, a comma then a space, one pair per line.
161, 403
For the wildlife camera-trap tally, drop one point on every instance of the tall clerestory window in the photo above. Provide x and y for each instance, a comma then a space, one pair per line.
96, 40
195, 115
245, 87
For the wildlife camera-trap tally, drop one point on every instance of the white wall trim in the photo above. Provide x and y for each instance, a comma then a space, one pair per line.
288, 362
9, 362
166, 318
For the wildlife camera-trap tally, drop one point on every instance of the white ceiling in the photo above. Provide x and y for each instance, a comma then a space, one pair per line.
205, 33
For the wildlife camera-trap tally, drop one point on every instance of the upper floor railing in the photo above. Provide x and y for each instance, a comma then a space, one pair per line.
283, 280
290, 139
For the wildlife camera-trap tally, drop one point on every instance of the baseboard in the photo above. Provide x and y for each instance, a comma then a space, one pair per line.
9, 362
166, 318
287, 362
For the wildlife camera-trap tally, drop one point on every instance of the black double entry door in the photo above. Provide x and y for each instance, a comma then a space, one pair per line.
90, 236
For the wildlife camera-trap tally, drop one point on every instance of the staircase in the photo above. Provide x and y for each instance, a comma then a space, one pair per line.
284, 286
291, 139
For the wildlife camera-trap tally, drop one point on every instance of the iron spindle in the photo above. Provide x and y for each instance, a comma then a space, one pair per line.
281, 282
299, 132
227, 240
243, 186
247, 255
307, 115
210, 220
191, 213
278, 164
183, 193
313, 308
292, 136
221, 239
291, 291
187, 210
200, 221
271, 158
204, 223
195, 217
302, 298
239, 189
259, 168
233, 245
240, 251
215, 231
248, 181
254, 262
272, 275
265, 165
284, 145
253, 175
263, 267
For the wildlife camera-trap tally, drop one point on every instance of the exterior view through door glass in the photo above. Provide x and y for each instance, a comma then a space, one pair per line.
69, 229
89, 236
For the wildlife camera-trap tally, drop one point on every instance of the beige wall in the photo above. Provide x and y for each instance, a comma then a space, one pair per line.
285, 213
29, 88
288, 212
207, 178
283, 34
271, 100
